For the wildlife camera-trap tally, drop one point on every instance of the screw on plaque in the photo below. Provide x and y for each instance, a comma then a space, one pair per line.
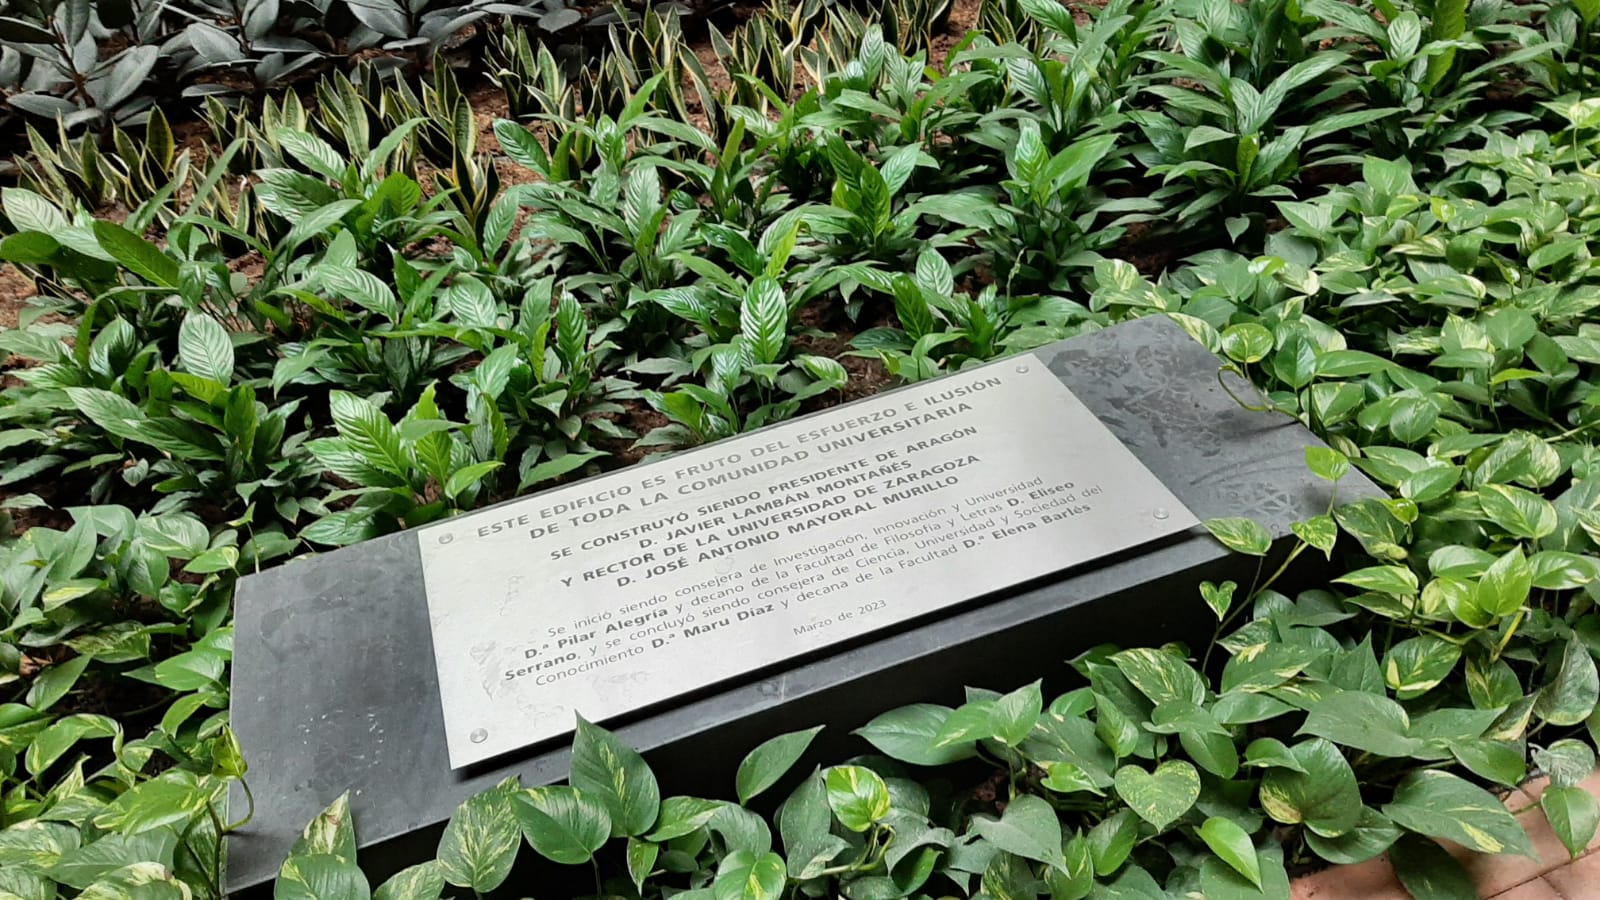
478, 736
1161, 512
1022, 367
446, 538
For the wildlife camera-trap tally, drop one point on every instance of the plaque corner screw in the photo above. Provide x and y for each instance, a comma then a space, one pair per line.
478, 736
1161, 512
1022, 368
446, 538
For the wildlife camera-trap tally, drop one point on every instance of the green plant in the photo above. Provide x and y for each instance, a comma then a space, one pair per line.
1429, 73
942, 331
746, 318
344, 323
402, 474
1051, 213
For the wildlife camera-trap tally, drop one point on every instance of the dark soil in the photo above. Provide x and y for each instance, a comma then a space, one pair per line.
15, 289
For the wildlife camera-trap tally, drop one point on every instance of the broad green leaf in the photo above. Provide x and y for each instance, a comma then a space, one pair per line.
34, 844
369, 432
1428, 871
642, 856
204, 348
1502, 762
112, 412
82, 867
563, 824
55, 682
741, 829
1319, 531
1112, 840
1272, 753
1573, 815
1326, 463
1241, 535
1160, 676
805, 823
1372, 834
1065, 778
480, 842
1233, 846
1324, 796
745, 877
907, 734
1014, 714
470, 301
423, 881
617, 776
1396, 580
969, 722
1029, 828
468, 477
764, 320
1247, 342
1441, 805
857, 796
1573, 692
767, 763
1077, 879
681, 816
173, 798
1567, 761
1521, 512
1504, 587
332, 831
319, 876
1220, 880
139, 255
1554, 570
1161, 797
1414, 666
1368, 722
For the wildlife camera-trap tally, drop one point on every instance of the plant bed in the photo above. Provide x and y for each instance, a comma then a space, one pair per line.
360, 316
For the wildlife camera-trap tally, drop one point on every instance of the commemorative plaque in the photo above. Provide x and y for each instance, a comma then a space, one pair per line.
620, 592
334, 679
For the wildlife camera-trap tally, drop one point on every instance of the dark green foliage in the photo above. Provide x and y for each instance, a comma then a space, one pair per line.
385, 324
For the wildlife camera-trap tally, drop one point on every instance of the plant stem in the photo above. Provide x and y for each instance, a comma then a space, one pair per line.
1511, 630
249, 810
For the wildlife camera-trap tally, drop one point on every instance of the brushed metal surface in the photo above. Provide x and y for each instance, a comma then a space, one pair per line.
627, 590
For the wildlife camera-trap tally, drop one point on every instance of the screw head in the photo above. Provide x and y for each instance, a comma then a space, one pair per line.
1022, 368
446, 538
1161, 512
478, 736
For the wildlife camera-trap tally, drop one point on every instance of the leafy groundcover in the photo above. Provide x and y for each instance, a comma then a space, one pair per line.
377, 305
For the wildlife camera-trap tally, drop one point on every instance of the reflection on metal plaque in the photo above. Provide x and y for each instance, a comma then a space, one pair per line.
626, 590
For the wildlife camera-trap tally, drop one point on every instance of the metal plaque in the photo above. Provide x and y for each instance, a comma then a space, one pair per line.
626, 590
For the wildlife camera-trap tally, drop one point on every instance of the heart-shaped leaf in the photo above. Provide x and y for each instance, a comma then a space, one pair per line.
1163, 796
1324, 795
564, 824
1029, 828
857, 796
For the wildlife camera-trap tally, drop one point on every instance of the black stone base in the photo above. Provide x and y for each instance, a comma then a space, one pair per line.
334, 686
